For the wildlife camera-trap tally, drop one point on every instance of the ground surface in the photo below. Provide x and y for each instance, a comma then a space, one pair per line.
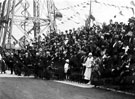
29, 88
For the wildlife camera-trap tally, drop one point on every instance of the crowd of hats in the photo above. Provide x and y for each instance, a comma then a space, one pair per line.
113, 43
113, 40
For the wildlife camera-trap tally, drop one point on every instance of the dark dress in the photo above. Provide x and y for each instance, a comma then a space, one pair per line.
3, 66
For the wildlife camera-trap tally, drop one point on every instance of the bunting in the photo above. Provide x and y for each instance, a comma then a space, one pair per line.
70, 18
115, 16
84, 5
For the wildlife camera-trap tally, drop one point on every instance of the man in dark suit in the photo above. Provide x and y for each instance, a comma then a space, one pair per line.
11, 62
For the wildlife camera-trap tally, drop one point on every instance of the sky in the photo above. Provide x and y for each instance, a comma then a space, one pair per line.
75, 13
102, 11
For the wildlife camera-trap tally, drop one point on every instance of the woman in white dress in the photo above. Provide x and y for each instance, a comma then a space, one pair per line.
88, 70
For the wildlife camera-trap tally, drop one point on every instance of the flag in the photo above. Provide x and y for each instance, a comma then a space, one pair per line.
84, 6
97, 1
92, 17
121, 13
58, 14
115, 16
71, 17
132, 3
133, 10
87, 21
62, 22
77, 13
88, 3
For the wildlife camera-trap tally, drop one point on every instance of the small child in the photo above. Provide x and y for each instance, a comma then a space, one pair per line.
66, 69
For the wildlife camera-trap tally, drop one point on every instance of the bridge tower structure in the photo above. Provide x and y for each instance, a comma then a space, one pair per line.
31, 18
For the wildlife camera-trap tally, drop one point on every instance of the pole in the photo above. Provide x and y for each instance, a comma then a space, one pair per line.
90, 15
49, 15
54, 22
34, 14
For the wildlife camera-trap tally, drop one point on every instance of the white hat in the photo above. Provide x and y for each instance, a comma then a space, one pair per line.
67, 60
47, 52
37, 53
127, 66
26, 53
90, 54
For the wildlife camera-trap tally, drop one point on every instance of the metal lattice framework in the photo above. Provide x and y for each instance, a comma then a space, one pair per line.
18, 13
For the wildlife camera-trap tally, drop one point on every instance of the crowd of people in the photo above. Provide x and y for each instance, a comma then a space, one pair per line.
112, 47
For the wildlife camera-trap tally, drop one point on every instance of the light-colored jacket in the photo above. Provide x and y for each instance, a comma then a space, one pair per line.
89, 62
66, 67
